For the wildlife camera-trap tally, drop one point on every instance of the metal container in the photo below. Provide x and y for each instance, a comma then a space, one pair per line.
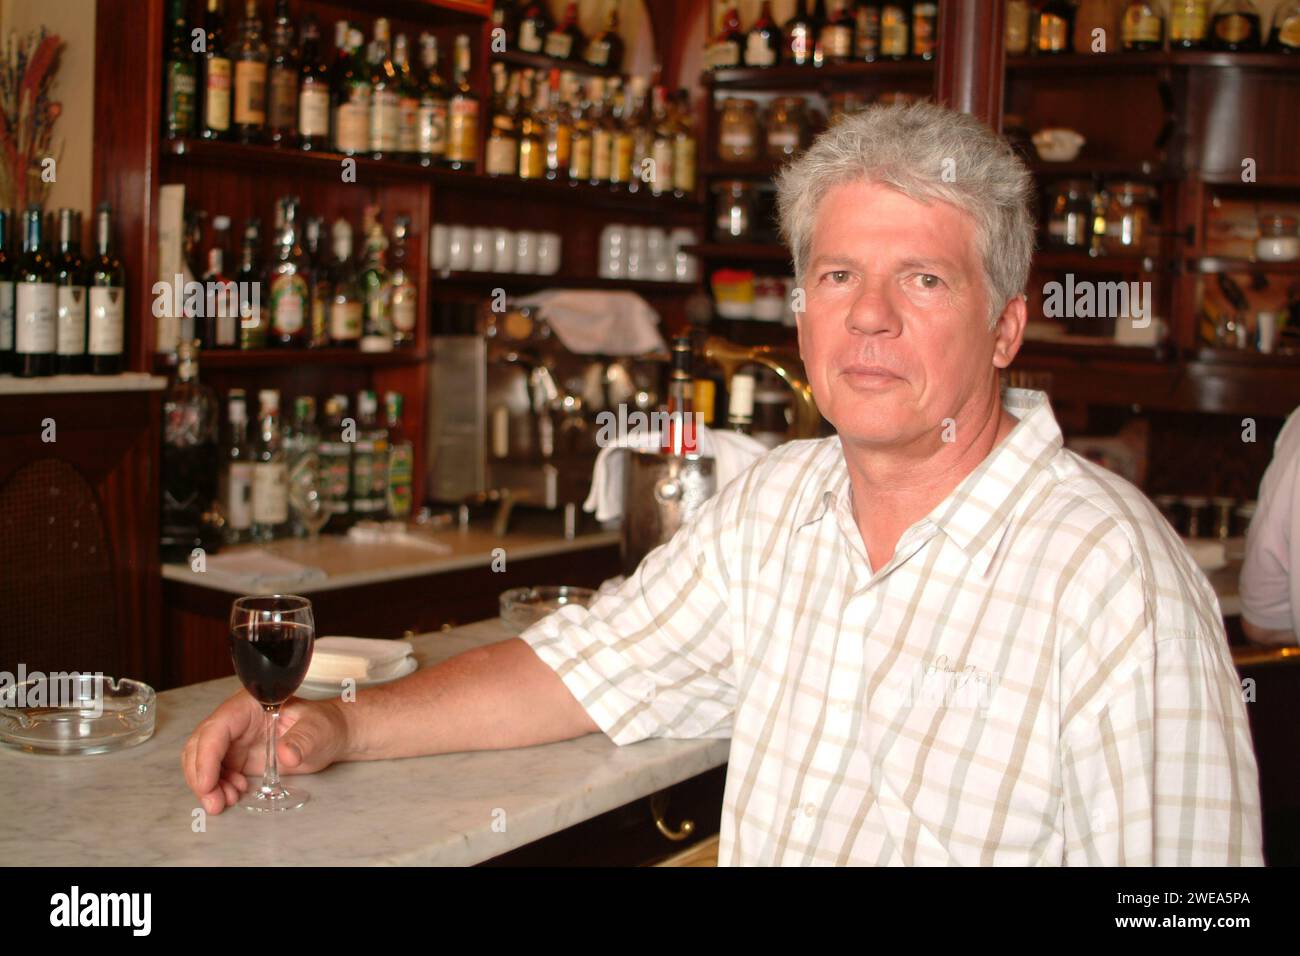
660, 493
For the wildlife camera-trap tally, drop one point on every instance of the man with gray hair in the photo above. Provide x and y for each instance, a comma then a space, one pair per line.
937, 637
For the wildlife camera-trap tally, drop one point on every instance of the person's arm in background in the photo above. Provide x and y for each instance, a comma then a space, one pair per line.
1270, 574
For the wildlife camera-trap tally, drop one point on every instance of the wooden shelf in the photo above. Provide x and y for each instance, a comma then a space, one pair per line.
290, 358
742, 251
1085, 167
1211, 265
1089, 348
754, 169
540, 61
1152, 62
809, 78
1244, 358
1065, 260
567, 192
517, 281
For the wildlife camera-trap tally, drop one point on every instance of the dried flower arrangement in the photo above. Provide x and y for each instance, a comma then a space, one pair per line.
27, 117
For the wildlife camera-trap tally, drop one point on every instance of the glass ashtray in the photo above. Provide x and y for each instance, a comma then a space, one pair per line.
71, 713
521, 608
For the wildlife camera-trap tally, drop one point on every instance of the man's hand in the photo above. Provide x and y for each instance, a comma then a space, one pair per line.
229, 746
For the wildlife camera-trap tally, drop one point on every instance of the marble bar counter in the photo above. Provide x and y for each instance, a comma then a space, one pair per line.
132, 808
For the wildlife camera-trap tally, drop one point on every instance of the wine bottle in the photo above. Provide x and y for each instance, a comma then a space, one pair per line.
352, 100
214, 119
431, 116
179, 85
249, 56
462, 121
282, 80
385, 100
235, 486
377, 325
70, 298
270, 473
313, 90
402, 291
34, 297
190, 458
764, 41
837, 38
106, 337
345, 301
408, 101
605, 49
221, 304
252, 325
534, 27
290, 297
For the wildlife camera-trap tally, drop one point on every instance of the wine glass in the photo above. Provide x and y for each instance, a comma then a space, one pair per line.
271, 644
307, 495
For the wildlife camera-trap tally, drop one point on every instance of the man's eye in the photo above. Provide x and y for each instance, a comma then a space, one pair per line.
838, 277
929, 281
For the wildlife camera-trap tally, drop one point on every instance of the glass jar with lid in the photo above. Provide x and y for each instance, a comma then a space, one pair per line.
738, 137
787, 127
733, 204
1128, 218
1278, 239
1069, 223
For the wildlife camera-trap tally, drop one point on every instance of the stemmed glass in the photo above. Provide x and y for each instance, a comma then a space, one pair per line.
307, 495
271, 644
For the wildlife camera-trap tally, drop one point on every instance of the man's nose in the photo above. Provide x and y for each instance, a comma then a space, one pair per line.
872, 311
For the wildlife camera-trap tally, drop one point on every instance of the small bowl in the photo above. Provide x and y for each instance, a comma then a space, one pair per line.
71, 713
521, 608
1058, 145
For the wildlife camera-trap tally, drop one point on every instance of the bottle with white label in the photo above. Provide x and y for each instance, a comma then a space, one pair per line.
34, 303
402, 297
6, 297
236, 492
106, 336
70, 298
270, 473
290, 296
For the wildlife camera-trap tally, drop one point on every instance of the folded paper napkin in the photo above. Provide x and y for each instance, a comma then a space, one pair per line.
257, 569
732, 453
589, 322
394, 532
358, 658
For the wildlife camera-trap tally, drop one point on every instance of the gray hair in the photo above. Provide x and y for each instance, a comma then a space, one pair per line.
928, 153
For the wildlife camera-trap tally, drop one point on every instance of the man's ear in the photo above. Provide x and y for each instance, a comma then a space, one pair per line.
1009, 332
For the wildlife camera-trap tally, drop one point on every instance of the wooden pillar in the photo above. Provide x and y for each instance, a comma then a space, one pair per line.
970, 59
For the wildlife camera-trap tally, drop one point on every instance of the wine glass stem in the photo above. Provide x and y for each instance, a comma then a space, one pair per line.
271, 773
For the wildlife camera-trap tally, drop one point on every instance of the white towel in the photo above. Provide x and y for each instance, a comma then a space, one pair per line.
590, 322
731, 451
257, 569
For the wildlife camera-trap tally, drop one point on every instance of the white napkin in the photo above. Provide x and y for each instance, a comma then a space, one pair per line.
393, 532
255, 569
358, 658
732, 453
590, 322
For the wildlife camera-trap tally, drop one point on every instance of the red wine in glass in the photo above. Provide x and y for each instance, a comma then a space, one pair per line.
271, 643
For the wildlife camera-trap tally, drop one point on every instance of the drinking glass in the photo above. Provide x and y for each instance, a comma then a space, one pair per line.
307, 495
271, 644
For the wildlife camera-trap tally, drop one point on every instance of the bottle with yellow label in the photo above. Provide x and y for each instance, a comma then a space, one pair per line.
1286, 27
1235, 26
580, 141
895, 31
1053, 27
1189, 24
1142, 27
462, 113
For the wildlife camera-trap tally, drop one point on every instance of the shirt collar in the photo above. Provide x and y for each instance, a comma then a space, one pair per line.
976, 514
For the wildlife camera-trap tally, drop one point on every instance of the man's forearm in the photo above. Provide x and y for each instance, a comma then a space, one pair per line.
490, 698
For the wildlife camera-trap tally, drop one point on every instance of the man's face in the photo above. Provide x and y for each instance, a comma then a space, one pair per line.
895, 335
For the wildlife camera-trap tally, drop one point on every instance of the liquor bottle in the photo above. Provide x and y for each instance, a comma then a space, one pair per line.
661, 143
34, 296
605, 49
214, 118
679, 436
385, 100
189, 320
313, 90
346, 299
107, 299
319, 284
352, 100
408, 101
505, 18
252, 323
402, 291
462, 113
282, 80
1016, 29
1142, 27
1235, 26
602, 131
6, 297
369, 460
623, 144
270, 471
301, 455
290, 295
1053, 30
819, 19
565, 41
1286, 28
868, 32
377, 321
335, 452
190, 460
221, 304
684, 147
581, 143
179, 85
725, 50
534, 27
532, 141
342, 53
431, 116
925, 17
641, 123
235, 486
557, 130
249, 56
838, 36
501, 153
764, 41
401, 461
740, 404
895, 31
70, 298
1189, 24
801, 36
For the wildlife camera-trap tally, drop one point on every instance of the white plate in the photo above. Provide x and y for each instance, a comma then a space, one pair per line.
324, 690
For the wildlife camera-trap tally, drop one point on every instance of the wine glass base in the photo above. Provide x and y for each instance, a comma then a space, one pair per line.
274, 799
